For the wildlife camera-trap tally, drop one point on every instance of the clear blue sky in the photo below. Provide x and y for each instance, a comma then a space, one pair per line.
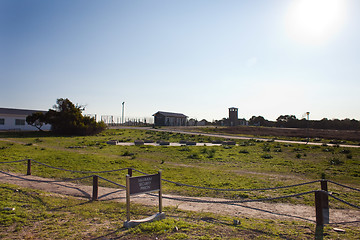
267, 58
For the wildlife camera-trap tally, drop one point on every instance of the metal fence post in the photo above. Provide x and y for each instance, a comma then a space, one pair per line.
28, 167
95, 188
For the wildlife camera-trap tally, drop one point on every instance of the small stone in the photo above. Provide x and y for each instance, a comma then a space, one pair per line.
9, 209
339, 230
236, 222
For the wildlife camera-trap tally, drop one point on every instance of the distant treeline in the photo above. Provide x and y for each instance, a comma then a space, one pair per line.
290, 121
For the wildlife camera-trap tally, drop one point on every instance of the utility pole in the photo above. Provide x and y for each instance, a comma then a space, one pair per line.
307, 129
122, 120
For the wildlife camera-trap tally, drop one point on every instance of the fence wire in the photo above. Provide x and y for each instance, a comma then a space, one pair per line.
352, 188
231, 190
188, 185
240, 189
47, 181
187, 199
15, 161
343, 201
76, 171
117, 184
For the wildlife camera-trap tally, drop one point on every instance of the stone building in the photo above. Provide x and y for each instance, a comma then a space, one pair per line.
169, 119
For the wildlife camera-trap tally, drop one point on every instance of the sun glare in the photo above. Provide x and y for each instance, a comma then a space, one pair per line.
315, 21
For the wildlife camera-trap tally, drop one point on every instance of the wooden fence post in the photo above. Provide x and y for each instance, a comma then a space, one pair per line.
321, 217
128, 198
95, 188
130, 172
160, 194
325, 201
28, 167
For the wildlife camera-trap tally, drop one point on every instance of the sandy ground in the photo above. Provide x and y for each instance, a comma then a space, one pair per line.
254, 209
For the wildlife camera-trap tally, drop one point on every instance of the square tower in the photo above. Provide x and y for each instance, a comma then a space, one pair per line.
233, 116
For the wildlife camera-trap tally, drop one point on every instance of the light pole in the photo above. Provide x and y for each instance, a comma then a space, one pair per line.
122, 119
307, 129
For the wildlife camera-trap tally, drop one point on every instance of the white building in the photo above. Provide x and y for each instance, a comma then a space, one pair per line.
15, 119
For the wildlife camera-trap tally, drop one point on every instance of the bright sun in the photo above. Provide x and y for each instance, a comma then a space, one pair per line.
315, 21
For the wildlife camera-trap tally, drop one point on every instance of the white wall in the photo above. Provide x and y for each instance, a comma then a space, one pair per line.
9, 124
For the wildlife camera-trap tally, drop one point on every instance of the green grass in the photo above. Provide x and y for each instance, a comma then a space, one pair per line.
41, 215
253, 164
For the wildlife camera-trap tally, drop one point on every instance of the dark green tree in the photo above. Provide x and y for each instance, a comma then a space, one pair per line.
66, 118
36, 119
286, 121
257, 121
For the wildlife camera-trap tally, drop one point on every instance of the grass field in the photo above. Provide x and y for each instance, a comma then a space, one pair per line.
251, 164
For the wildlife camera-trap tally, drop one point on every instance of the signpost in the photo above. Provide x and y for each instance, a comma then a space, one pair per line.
141, 185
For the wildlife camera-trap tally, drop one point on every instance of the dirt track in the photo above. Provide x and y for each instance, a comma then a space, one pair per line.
254, 209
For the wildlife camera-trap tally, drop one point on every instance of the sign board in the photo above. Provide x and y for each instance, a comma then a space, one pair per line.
144, 184
139, 185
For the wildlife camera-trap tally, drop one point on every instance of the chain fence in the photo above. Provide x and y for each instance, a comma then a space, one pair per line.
192, 199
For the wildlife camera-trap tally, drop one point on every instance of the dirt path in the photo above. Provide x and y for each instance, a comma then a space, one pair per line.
253, 210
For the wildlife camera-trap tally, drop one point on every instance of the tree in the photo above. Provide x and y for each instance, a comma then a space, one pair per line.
286, 121
257, 121
37, 120
67, 119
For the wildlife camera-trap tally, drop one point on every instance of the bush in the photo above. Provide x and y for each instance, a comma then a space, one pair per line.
194, 156
127, 154
336, 161
345, 151
266, 156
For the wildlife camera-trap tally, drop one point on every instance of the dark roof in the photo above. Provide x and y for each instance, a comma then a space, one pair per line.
14, 111
170, 114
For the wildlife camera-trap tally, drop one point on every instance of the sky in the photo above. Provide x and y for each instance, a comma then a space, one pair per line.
199, 58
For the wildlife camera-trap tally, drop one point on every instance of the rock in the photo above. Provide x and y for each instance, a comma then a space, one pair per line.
112, 142
339, 230
138, 142
9, 209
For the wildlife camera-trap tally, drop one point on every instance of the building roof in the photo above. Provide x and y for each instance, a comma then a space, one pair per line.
170, 114
14, 111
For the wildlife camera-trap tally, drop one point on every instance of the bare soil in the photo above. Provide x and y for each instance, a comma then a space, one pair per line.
252, 210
